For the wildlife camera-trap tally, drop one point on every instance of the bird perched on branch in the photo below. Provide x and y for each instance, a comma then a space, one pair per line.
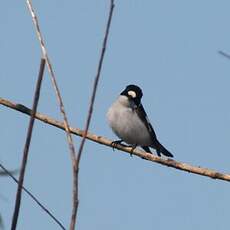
130, 123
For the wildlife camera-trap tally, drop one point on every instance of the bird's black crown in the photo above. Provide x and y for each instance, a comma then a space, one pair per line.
136, 89
133, 92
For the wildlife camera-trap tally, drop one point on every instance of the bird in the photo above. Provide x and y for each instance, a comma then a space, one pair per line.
129, 121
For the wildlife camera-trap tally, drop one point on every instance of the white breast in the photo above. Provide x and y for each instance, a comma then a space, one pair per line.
126, 124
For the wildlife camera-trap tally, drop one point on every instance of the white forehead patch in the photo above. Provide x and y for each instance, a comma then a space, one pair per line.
132, 94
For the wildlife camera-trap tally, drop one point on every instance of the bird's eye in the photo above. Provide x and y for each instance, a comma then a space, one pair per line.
132, 94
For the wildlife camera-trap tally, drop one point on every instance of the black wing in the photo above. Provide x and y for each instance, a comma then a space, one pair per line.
143, 116
159, 147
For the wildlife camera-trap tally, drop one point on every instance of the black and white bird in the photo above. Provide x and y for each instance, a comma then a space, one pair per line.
130, 123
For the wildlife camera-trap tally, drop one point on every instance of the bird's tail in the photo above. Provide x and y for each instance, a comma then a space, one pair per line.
161, 149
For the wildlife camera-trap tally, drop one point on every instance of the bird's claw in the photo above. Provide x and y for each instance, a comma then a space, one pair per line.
115, 143
132, 149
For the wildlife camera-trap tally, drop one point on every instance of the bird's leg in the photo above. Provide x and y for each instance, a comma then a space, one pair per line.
147, 149
115, 143
133, 147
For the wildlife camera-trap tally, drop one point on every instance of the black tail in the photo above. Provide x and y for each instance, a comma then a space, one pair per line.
161, 149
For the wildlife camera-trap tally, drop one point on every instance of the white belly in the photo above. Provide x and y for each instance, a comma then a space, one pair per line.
127, 126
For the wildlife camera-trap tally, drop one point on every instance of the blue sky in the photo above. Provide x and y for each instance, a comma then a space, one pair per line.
170, 49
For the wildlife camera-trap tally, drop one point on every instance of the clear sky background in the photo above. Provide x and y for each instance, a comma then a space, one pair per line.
170, 49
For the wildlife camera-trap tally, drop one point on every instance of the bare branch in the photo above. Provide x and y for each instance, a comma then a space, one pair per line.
3, 173
27, 146
104, 141
90, 111
9, 173
1, 223
224, 54
61, 104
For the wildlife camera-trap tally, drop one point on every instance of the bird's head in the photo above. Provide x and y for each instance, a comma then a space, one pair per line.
133, 93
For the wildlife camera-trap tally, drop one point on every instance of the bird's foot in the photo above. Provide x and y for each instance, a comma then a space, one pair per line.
147, 149
115, 143
132, 149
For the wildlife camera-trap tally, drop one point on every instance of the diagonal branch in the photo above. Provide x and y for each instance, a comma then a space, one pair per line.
104, 141
61, 104
4, 173
90, 111
52, 75
27, 146
10, 174
224, 54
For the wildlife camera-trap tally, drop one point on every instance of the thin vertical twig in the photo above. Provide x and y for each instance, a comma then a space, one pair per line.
52, 75
90, 110
59, 99
27, 145
75, 161
10, 174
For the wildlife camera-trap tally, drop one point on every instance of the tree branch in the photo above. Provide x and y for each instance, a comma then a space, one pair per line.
27, 146
10, 174
90, 111
104, 141
61, 104
224, 54
4, 173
